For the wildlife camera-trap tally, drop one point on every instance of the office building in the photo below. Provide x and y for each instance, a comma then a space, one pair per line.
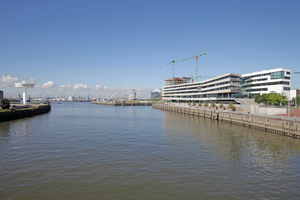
266, 81
225, 88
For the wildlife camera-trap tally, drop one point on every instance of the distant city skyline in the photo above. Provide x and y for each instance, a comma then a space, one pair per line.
106, 47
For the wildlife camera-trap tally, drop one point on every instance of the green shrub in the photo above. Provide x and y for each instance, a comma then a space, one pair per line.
231, 106
206, 104
194, 103
221, 105
189, 103
4, 103
199, 104
213, 104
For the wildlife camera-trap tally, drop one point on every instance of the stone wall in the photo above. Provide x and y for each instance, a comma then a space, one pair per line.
12, 114
275, 124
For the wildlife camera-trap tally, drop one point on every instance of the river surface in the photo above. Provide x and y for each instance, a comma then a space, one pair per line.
87, 151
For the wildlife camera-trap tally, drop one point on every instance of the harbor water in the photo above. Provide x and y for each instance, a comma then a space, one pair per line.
88, 151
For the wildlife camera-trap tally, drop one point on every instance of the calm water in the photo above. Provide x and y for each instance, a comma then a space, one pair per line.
87, 151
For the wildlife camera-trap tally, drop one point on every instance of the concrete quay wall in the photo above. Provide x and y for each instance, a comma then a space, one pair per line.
12, 114
270, 123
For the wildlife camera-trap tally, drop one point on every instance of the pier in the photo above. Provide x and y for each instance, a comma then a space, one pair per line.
23, 112
282, 125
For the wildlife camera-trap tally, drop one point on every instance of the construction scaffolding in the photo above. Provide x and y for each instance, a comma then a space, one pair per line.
177, 80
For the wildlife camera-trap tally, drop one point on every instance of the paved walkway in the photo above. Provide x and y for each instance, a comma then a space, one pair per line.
293, 113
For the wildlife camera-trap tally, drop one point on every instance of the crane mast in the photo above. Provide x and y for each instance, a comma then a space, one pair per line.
175, 61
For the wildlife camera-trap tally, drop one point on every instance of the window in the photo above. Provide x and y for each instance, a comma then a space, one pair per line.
286, 88
277, 75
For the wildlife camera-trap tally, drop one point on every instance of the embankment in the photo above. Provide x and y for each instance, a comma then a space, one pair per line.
289, 127
12, 114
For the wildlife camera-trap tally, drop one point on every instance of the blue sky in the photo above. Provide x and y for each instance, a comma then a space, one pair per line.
103, 47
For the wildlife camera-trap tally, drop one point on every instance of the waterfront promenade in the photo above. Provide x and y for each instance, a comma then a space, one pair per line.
284, 125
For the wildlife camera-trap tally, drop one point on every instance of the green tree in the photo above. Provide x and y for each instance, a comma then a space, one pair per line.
283, 98
221, 105
189, 103
213, 104
298, 100
262, 98
231, 106
206, 104
194, 103
4, 103
199, 104
274, 98
256, 98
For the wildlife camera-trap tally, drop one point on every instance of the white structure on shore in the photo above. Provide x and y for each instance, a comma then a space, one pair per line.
266, 81
24, 85
223, 87
131, 96
228, 87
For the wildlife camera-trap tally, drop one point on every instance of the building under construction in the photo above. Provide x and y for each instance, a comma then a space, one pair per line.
177, 80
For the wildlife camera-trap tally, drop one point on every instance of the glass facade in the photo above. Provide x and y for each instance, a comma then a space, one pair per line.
277, 75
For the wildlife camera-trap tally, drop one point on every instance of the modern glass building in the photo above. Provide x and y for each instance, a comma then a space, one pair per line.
230, 86
266, 81
155, 94
225, 87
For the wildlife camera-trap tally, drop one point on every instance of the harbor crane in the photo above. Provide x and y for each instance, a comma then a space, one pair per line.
175, 61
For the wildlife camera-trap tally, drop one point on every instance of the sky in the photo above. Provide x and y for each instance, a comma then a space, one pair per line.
82, 47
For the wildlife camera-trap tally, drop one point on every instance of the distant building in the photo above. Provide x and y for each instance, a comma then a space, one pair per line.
131, 96
294, 93
177, 80
156, 94
1, 94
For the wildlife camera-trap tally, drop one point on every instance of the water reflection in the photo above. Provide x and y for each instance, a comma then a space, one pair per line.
237, 145
84, 151
4, 130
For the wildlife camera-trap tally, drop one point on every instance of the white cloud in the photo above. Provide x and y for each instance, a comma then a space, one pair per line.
7, 81
105, 88
65, 86
49, 85
126, 88
98, 87
80, 87
32, 80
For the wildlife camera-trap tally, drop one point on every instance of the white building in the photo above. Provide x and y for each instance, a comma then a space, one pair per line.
294, 93
131, 96
266, 81
225, 87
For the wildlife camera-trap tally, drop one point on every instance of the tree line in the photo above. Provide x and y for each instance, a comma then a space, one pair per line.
273, 98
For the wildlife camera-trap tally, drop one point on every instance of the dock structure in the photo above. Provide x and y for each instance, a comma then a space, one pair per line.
134, 103
22, 111
282, 125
